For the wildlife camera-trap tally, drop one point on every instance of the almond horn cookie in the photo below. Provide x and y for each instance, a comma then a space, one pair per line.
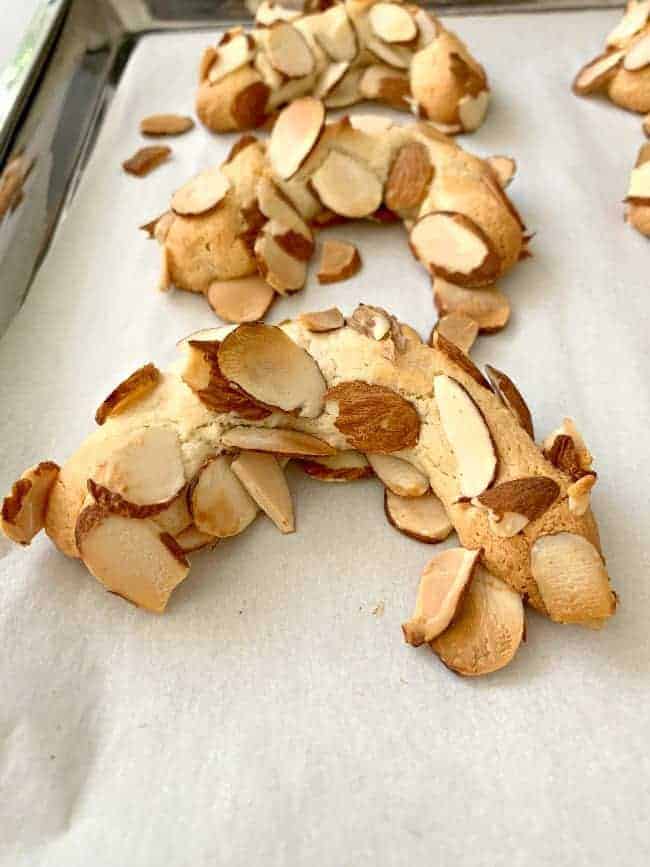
187, 458
392, 52
242, 232
622, 71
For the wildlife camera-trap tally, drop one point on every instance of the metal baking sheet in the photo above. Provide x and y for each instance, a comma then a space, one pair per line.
273, 716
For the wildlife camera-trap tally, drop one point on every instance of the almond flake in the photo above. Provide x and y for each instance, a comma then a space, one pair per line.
159, 227
347, 466
330, 78
219, 503
452, 246
334, 32
531, 497
639, 188
503, 168
638, 55
192, 539
176, 517
277, 441
397, 56
146, 160
392, 23
488, 307
231, 55
428, 26
444, 582
371, 124
128, 392
275, 206
245, 299
409, 178
23, 509
269, 12
347, 186
373, 418
339, 261
472, 110
207, 59
265, 481
597, 73
323, 320
200, 195
398, 476
347, 90
468, 435
166, 124
566, 449
510, 395
288, 51
459, 329
280, 269
454, 354
579, 494
294, 135
634, 20
421, 518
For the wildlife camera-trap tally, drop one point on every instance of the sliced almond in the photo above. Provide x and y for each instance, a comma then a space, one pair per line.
165, 124
231, 55
270, 367
488, 307
377, 323
284, 272
399, 476
453, 247
339, 261
289, 52
459, 329
129, 391
207, 59
330, 78
277, 441
294, 135
219, 503
371, 124
503, 168
579, 494
130, 557
347, 90
409, 178
373, 418
142, 475
245, 299
571, 578
638, 55
530, 496
428, 26
472, 110
421, 518
275, 206
347, 466
334, 32
146, 159
263, 478
468, 436
23, 509
385, 84
392, 23
323, 320
444, 582
347, 186
487, 630
268, 12
566, 449
192, 539
454, 354
397, 56
595, 74
635, 18
200, 195
505, 388
176, 517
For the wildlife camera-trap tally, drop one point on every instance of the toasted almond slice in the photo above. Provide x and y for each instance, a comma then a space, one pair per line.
231, 55
207, 59
563, 454
176, 517
579, 494
334, 32
330, 78
392, 23
583, 455
487, 630
347, 186
571, 578
192, 539
488, 307
245, 299
277, 441
165, 124
374, 418
347, 90
638, 55
511, 397
472, 110
275, 206
635, 18
294, 135
159, 227
373, 322
458, 357
289, 52
421, 518
409, 178
444, 582
530, 496
452, 246
268, 12
270, 367
595, 74
203, 193
129, 391
373, 83
146, 159
345, 466
23, 509
397, 56
270, 76
507, 525
219, 503
428, 26
458, 328
323, 320
468, 436
130, 557
265, 481
284, 272
503, 168
371, 124
142, 475
339, 261
399, 476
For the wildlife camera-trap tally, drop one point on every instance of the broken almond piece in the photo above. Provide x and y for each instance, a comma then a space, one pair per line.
398, 476
288, 51
277, 441
443, 584
266, 364
165, 124
245, 299
347, 466
130, 557
192, 539
595, 74
468, 435
459, 329
23, 509
452, 246
294, 135
409, 178
487, 630
503, 168
638, 54
518, 502
234, 51
579, 494
128, 392
512, 398
280, 269
347, 186
488, 307
571, 578
472, 110
421, 518
566, 449
339, 261
266, 483
392, 23
374, 418
146, 159
200, 195
323, 320
219, 503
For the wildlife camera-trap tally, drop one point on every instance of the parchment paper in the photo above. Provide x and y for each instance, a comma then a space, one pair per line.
270, 717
